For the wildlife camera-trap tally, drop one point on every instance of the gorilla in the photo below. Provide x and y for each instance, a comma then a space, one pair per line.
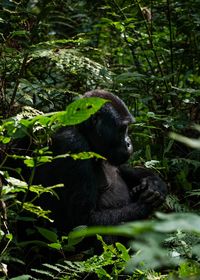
98, 191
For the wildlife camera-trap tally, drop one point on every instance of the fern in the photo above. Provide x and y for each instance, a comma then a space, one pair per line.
115, 256
194, 163
45, 273
174, 204
74, 62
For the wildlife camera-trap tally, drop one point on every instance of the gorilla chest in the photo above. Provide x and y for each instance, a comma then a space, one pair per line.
112, 190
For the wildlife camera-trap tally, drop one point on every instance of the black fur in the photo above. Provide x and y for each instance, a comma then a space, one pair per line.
99, 192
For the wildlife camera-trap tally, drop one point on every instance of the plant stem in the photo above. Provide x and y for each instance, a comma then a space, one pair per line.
20, 75
171, 40
149, 32
131, 46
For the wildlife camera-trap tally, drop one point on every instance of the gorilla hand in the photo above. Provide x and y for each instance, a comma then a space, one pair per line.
152, 190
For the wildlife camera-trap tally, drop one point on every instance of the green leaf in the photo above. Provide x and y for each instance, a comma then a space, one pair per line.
39, 189
22, 277
80, 110
48, 234
6, 140
37, 210
150, 253
73, 241
82, 156
129, 229
184, 221
124, 251
77, 112
32, 162
56, 246
129, 76
20, 33
191, 142
9, 236
14, 186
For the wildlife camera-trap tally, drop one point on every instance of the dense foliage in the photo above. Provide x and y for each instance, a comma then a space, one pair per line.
147, 52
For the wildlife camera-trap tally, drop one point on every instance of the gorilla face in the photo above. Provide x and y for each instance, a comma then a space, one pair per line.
120, 154
114, 142
107, 131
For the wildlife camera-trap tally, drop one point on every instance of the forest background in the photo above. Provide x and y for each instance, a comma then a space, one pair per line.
146, 52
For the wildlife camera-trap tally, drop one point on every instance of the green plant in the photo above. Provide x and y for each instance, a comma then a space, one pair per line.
145, 51
110, 264
19, 197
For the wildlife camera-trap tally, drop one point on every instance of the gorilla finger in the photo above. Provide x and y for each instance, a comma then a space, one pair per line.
153, 197
136, 189
140, 187
150, 196
144, 184
153, 184
158, 202
146, 194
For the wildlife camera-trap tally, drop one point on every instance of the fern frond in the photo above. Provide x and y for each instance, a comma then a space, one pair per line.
174, 204
44, 272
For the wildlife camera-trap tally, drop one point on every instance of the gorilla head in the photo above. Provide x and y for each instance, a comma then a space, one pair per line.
107, 130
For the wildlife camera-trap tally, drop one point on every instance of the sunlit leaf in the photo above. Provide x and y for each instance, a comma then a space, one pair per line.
56, 246
193, 143
80, 110
37, 210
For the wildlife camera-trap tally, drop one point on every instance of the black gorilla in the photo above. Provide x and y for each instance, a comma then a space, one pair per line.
96, 191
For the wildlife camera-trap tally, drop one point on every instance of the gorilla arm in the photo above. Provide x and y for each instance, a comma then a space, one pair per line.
127, 213
79, 199
144, 182
150, 193
115, 204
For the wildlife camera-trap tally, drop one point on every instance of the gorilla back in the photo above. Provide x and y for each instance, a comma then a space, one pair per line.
96, 191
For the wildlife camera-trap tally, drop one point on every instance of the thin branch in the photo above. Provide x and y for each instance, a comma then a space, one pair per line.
26, 54
171, 39
152, 45
131, 46
20, 75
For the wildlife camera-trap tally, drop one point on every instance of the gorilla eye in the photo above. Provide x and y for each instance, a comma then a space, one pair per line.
123, 128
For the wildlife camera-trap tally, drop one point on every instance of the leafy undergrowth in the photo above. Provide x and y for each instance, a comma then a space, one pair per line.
156, 250
147, 52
